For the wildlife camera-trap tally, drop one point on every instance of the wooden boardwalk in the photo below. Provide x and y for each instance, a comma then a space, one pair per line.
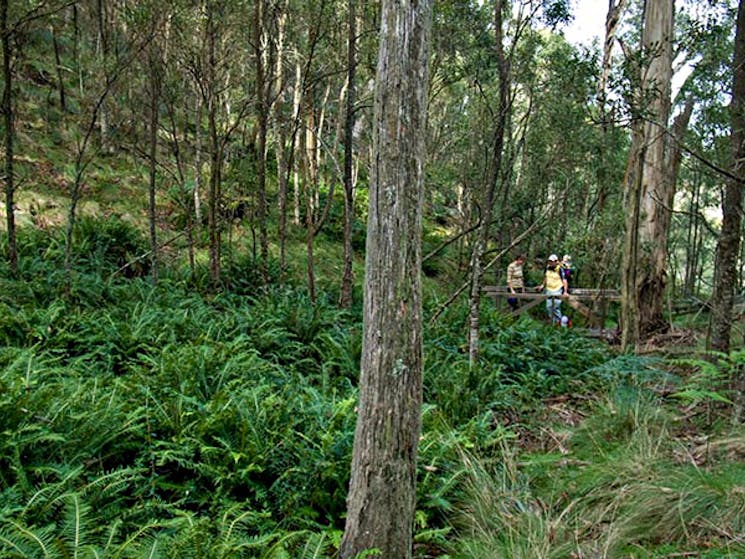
590, 303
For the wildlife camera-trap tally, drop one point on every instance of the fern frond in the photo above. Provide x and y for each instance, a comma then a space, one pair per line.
38, 538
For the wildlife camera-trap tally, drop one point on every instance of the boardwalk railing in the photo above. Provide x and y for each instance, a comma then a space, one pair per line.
590, 303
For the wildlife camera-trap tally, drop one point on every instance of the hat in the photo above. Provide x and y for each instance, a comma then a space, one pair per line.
566, 258
553, 258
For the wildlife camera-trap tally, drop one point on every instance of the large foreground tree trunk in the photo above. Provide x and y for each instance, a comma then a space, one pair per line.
728, 246
381, 500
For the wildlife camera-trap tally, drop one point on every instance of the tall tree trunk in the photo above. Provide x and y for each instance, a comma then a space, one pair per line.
214, 198
657, 187
382, 493
59, 68
348, 277
280, 131
262, 115
103, 47
612, 20
492, 178
8, 120
197, 196
153, 141
728, 246
297, 100
215, 183
309, 181
692, 236
632, 205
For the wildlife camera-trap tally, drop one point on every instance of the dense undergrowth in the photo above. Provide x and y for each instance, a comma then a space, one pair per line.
177, 421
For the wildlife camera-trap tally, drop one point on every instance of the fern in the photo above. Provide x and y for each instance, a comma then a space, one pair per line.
29, 542
707, 379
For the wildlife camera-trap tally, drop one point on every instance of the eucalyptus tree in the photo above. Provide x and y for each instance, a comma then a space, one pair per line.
710, 42
263, 88
494, 170
14, 23
503, 145
462, 70
382, 493
728, 246
307, 62
349, 120
97, 81
217, 69
9, 135
648, 185
155, 78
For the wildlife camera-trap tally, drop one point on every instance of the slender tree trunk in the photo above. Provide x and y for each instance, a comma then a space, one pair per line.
215, 182
78, 50
280, 131
103, 44
153, 141
308, 188
197, 197
8, 120
58, 67
492, 178
262, 120
612, 20
296, 103
692, 238
632, 205
728, 246
347, 281
382, 493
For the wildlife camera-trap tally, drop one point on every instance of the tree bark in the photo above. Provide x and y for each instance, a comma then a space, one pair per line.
59, 68
658, 187
262, 102
728, 246
348, 277
280, 132
153, 141
632, 205
215, 183
381, 500
309, 179
7, 109
612, 20
652, 177
492, 177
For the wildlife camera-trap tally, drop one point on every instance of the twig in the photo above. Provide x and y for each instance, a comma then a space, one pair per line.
463, 287
145, 255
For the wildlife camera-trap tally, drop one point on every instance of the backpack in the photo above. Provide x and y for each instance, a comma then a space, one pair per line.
568, 272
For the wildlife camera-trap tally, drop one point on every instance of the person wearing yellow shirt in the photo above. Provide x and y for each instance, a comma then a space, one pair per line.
554, 284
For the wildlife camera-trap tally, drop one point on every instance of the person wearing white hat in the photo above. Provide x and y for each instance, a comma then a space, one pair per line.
555, 285
566, 264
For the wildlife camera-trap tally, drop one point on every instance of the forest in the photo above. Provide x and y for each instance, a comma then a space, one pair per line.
253, 279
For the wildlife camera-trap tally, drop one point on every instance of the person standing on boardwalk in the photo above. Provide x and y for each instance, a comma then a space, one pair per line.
515, 280
555, 285
566, 264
